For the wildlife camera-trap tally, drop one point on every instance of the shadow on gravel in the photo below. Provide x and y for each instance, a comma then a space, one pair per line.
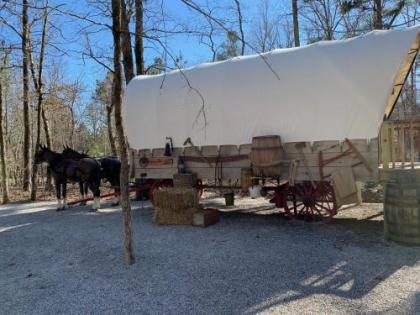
245, 264
347, 258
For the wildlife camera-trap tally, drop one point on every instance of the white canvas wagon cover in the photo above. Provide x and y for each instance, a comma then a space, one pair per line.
329, 90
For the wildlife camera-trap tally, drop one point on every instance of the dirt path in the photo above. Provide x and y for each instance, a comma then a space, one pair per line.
71, 262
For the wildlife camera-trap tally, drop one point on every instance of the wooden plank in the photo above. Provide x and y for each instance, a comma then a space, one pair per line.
359, 155
158, 173
157, 152
229, 150
189, 165
192, 151
327, 146
290, 147
401, 76
348, 160
157, 162
177, 151
207, 173
402, 144
144, 152
391, 135
385, 147
360, 173
373, 145
344, 182
210, 150
245, 148
359, 144
412, 144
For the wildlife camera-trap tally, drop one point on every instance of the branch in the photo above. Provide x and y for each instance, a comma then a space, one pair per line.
95, 58
195, 7
202, 110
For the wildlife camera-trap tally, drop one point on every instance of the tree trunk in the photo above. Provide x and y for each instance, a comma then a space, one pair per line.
39, 103
138, 49
126, 44
4, 178
48, 184
26, 118
241, 29
122, 144
295, 23
109, 110
377, 15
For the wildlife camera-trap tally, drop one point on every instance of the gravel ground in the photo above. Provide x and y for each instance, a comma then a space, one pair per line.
71, 262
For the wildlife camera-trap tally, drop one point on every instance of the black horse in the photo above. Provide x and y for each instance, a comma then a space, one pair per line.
110, 167
63, 169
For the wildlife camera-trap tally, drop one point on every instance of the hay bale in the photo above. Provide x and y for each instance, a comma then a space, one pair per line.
167, 216
175, 205
175, 199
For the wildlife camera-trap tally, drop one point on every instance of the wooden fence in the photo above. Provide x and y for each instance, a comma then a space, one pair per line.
400, 144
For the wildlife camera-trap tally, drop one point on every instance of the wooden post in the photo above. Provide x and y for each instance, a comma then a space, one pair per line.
391, 144
402, 143
384, 146
412, 144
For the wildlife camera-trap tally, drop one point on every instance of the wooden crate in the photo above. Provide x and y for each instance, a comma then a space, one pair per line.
204, 218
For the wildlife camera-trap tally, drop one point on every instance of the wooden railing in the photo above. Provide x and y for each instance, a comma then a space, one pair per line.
399, 144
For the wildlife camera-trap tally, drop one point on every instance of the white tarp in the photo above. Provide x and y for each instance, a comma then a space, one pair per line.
324, 91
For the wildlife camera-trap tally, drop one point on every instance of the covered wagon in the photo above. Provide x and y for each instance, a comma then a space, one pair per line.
305, 117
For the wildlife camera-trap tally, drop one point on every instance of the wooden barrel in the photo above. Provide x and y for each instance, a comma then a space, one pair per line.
246, 179
266, 154
402, 208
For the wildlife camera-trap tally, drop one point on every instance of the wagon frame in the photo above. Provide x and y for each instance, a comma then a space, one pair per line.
304, 190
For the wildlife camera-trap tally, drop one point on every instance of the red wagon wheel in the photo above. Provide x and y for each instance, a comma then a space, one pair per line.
313, 202
159, 185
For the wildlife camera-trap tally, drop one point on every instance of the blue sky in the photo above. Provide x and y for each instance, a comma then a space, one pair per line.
75, 65
78, 66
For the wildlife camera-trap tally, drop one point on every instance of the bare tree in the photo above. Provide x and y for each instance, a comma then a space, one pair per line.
241, 29
377, 17
122, 143
295, 15
26, 118
324, 17
38, 83
266, 34
208, 38
384, 13
4, 174
138, 48
126, 43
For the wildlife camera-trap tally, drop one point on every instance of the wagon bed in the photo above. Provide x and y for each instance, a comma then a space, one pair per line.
220, 167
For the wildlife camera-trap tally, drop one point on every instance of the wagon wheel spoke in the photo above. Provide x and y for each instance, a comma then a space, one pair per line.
299, 210
323, 207
327, 210
314, 201
298, 204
